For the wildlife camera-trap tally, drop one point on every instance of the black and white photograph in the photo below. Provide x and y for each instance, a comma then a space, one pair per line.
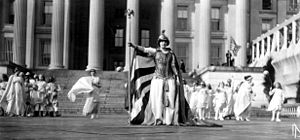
150, 69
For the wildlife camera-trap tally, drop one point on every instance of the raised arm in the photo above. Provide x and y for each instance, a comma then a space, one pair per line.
150, 51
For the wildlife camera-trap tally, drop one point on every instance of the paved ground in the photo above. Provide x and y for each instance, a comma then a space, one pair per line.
116, 127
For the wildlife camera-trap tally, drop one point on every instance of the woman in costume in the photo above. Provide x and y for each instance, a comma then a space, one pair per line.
3, 85
202, 100
244, 97
41, 92
228, 110
210, 98
89, 86
220, 101
163, 95
13, 96
276, 102
52, 94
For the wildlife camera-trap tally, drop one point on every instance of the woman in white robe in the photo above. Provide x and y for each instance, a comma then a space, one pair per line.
202, 101
41, 92
220, 101
90, 86
228, 110
13, 96
276, 103
210, 98
242, 106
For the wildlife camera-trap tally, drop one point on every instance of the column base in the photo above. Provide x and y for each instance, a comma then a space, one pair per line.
291, 101
126, 68
93, 67
53, 67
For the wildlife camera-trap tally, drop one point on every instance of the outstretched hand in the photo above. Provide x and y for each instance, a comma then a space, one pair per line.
131, 45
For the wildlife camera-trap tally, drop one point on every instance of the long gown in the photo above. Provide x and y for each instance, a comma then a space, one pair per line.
85, 85
13, 96
230, 101
243, 100
163, 87
277, 100
210, 98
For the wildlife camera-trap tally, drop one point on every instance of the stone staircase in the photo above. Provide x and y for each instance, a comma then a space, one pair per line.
111, 97
112, 93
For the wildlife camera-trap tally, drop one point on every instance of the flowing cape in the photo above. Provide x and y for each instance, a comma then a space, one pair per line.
82, 86
136, 102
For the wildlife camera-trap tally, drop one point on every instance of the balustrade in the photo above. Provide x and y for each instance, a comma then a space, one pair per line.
275, 40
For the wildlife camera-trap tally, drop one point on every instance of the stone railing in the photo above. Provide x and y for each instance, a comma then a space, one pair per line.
291, 110
278, 39
281, 45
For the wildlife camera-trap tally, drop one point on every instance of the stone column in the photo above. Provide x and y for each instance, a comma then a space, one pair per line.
282, 9
30, 33
132, 29
57, 35
203, 12
96, 35
66, 34
241, 31
167, 20
19, 47
2, 23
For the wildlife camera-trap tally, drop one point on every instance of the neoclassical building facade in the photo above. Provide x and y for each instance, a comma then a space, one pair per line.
83, 34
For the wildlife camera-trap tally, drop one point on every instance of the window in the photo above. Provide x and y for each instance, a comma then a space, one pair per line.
266, 25
215, 19
181, 51
119, 38
182, 17
216, 54
120, 13
47, 13
145, 38
267, 4
11, 13
44, 52
294, 5
7, 52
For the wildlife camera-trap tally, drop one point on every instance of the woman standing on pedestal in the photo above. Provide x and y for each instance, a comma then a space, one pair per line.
163, 84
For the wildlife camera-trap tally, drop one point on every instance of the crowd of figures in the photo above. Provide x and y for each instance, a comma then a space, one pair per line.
29, 95
228, 100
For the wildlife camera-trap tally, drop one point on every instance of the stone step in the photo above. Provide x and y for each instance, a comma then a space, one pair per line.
111, 95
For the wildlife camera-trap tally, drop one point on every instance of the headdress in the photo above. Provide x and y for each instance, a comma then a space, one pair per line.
163, 37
